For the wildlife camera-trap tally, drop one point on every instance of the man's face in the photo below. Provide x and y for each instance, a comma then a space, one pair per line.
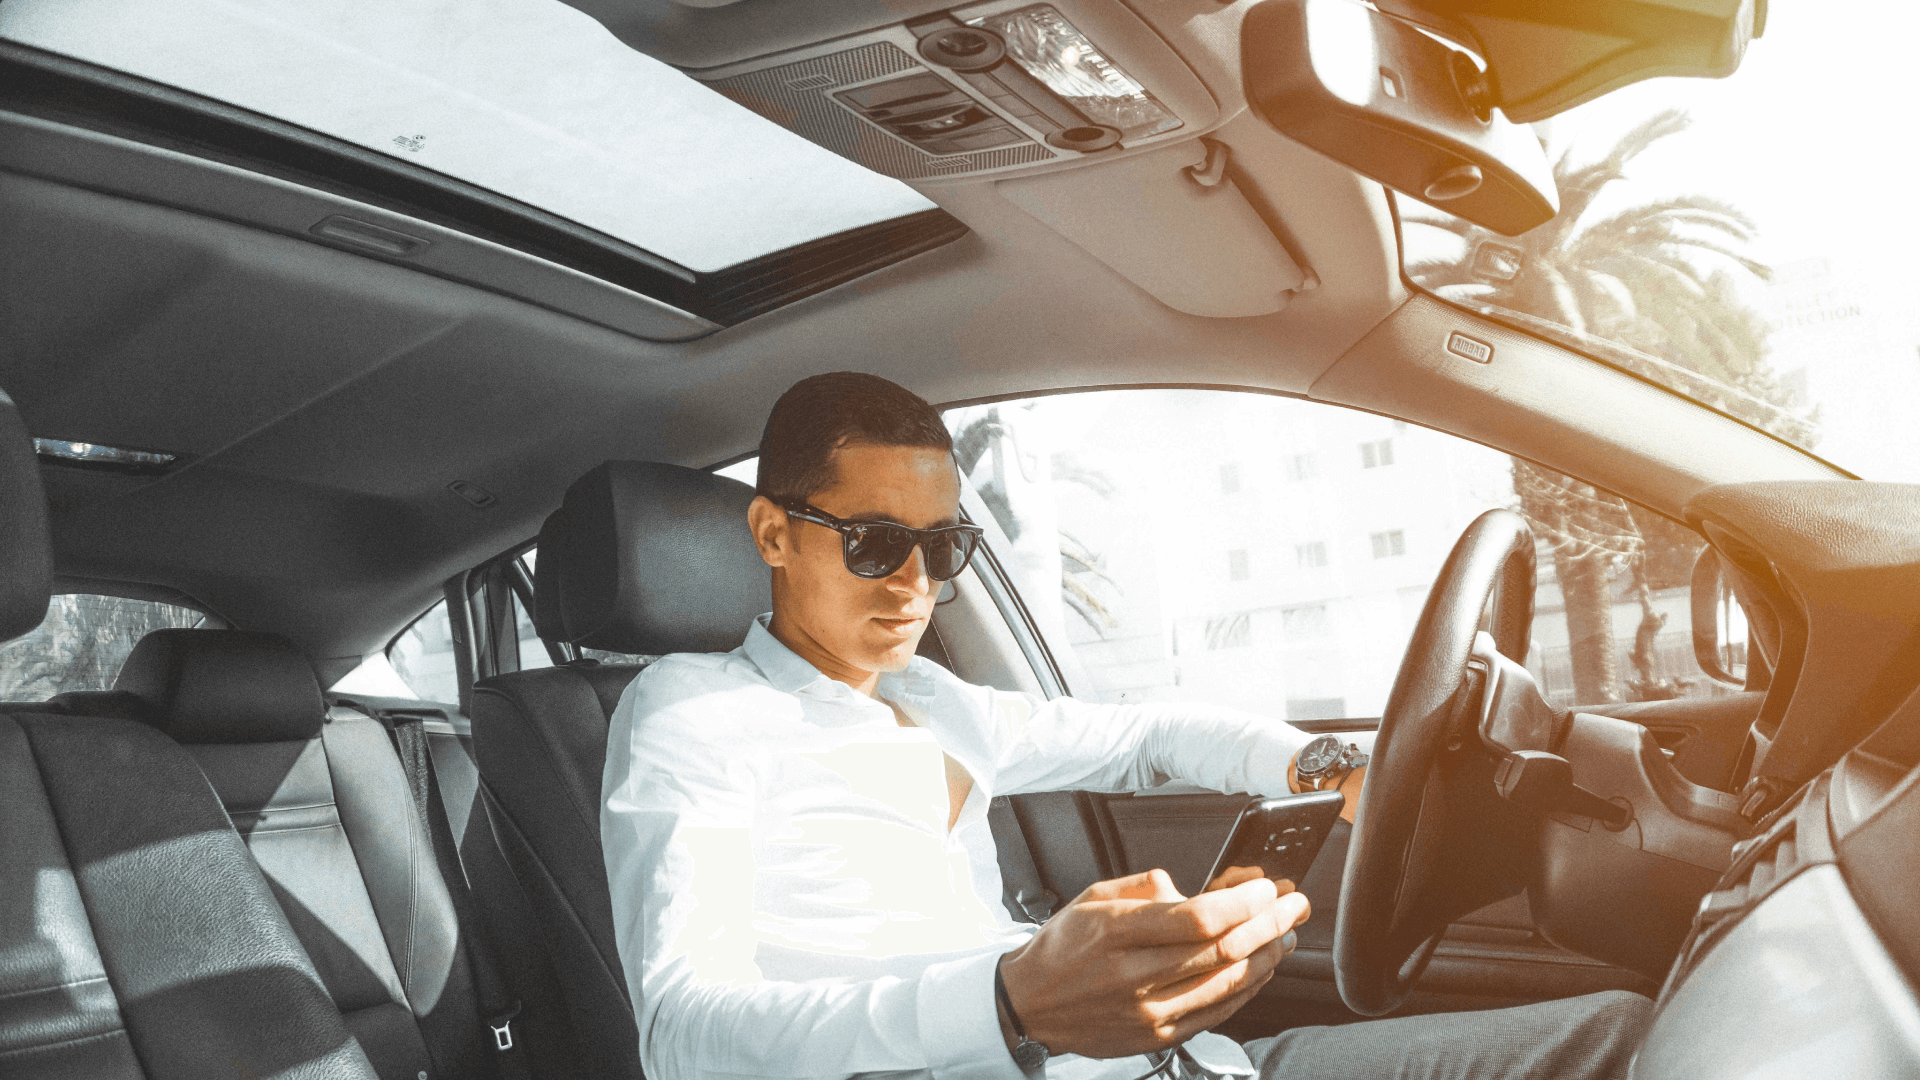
848, 626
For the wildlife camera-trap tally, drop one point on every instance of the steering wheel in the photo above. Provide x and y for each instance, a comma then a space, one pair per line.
1408, 872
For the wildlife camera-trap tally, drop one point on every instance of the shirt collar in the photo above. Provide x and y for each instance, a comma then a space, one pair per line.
787, 672
782, 666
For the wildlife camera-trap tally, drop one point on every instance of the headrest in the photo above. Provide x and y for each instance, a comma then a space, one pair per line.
26, 550
224, 686
658, 559
547, 620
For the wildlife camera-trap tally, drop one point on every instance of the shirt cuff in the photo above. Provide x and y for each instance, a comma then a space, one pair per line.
960, 1021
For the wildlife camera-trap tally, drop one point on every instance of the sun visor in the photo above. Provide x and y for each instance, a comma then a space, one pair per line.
1172, 222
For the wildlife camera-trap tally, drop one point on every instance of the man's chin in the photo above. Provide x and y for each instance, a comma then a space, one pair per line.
891, 650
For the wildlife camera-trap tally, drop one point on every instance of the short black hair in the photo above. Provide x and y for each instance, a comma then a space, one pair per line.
822, 413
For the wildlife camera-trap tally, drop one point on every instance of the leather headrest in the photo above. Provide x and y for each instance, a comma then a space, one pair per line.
26, 549
224, 686
658, 559
548, 559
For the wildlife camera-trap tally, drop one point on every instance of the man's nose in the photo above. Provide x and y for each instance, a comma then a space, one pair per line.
912, 574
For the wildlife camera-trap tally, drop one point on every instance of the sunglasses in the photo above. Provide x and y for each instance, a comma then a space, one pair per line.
874, 549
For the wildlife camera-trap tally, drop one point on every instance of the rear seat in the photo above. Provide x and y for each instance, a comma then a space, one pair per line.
137, 939
321, 799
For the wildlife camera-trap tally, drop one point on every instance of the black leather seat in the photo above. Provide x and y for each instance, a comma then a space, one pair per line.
641, 558
137, 938
324, 806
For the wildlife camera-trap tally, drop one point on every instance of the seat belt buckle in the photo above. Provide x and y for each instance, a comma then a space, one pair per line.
502, 1027
1038, 908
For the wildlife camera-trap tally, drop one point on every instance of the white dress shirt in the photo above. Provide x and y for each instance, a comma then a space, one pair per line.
788, 901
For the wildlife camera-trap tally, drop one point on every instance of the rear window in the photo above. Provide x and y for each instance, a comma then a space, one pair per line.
82, 643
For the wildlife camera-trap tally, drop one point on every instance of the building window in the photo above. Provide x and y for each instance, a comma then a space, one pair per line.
1377, 454
1301, 467
1237, 564
1230, 478
1308, 556
1388, 544
1304, 621
1230, 632
1316, 708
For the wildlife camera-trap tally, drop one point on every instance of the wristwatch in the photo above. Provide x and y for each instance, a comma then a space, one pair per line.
1325, 763
1030, 1056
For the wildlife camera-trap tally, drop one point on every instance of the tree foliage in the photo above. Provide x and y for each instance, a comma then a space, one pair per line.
81, 644
1662, 279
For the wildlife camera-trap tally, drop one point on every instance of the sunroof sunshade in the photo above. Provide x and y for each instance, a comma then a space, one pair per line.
531, 99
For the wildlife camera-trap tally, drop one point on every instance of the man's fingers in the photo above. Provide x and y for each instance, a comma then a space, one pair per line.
1233, 875
1164, 965
1203, 918
1152, 885
1207, 991
1219, 1013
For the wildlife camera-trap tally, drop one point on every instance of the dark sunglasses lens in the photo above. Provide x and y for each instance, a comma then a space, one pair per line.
948, 553
874, 551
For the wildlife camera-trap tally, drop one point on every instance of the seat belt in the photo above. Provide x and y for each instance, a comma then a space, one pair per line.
498, 1007
1027, 898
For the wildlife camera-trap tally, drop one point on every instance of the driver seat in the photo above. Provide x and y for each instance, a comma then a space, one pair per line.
643, 559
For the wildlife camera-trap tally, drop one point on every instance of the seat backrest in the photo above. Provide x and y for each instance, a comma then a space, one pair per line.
324, 806
137, 939
641, 558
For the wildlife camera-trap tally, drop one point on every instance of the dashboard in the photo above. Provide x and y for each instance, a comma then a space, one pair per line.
1803, 958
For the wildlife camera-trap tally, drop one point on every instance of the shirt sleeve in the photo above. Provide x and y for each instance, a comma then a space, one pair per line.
1066, 744
676, 829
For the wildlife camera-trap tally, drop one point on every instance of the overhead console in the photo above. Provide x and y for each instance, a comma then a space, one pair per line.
981, 88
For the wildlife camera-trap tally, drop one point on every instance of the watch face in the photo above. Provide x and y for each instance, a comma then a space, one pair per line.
1317, 756
1029, 1055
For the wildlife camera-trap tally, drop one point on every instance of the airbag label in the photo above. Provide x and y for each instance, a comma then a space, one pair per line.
1477, 351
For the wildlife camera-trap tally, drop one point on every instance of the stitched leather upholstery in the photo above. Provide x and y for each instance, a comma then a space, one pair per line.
137, 939
324, 807
657, 559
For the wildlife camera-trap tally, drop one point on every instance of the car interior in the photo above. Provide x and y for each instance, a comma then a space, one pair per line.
345, 489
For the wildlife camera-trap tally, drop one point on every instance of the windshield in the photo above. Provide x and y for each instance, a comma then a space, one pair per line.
1742, 238
531, 99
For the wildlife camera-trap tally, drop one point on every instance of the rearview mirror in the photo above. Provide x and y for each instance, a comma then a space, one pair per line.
1398, 104
1720, 633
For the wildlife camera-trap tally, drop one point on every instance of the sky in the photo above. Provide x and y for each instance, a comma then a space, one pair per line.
1813, 135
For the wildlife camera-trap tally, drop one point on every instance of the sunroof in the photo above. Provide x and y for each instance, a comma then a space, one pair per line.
531, 99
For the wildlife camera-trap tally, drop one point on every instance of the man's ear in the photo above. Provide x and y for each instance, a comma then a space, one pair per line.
771, 531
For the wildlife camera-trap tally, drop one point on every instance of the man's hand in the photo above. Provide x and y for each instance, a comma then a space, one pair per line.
1131, 966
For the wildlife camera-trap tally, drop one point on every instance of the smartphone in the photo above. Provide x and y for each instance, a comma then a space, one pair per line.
1280, 836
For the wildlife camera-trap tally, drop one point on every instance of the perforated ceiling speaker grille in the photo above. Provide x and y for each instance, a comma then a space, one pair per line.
798, 97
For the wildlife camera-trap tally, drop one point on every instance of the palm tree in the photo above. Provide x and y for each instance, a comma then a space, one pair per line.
1658, 277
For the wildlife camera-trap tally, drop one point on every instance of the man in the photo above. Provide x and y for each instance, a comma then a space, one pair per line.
804, 883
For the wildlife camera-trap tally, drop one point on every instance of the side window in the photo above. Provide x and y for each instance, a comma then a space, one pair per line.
82, 643
1273, 554
422, 656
